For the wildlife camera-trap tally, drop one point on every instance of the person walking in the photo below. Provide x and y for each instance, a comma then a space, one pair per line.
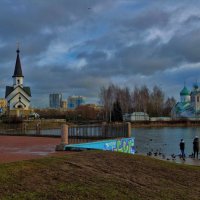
196, 146
182, 148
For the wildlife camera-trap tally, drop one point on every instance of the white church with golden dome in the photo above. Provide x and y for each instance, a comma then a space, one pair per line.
189, 105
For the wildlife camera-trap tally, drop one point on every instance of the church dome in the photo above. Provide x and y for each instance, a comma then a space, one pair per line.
184, 92
195, 86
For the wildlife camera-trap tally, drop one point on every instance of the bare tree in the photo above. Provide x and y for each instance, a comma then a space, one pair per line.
135, 96
169, 104
144, 98
107, 98
156, 101
139, 100
104, 100
124, 98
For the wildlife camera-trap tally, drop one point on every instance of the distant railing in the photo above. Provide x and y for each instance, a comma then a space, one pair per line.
81, 132
75, 134
99, 131
8, 128
39, 127
19, 129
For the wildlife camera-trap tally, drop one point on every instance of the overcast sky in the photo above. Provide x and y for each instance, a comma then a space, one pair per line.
77, 46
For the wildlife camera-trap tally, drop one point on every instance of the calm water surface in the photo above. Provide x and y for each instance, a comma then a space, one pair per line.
165, 140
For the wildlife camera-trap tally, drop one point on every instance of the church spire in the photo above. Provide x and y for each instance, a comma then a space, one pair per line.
18, 69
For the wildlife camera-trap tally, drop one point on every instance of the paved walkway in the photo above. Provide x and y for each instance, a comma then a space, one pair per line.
187, 161
14, 148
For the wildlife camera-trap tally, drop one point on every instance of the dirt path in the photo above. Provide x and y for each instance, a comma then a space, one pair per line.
14, 148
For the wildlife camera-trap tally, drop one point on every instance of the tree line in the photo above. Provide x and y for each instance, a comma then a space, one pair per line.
118, 101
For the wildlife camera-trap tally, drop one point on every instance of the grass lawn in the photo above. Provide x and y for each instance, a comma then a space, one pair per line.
99, 175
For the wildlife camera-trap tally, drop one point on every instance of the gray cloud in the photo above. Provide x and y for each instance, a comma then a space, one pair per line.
148, 19
76, 46
185, 47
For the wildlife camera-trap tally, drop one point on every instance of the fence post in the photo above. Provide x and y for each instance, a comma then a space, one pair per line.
38, 128
129, 129
24, 128
64, 134
104, 132
64, 138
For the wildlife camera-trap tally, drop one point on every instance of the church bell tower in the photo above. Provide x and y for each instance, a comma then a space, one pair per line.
18, 76
18, 96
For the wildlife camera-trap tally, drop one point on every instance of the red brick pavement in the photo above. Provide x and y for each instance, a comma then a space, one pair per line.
15, 148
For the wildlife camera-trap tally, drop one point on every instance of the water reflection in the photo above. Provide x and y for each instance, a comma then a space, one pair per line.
165, 140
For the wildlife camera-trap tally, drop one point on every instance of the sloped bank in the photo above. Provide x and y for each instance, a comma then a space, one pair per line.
98, 175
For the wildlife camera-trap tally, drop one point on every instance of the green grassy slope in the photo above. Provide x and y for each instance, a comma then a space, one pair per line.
98, 175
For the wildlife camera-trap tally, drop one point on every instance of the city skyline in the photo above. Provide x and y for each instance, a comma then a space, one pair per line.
76, 47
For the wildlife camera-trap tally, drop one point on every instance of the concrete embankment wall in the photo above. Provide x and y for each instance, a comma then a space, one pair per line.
57, 123
171, 123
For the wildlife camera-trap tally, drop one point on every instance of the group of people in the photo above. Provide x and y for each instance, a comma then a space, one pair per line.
195, 148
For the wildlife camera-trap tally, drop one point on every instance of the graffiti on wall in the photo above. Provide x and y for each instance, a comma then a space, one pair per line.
125, 145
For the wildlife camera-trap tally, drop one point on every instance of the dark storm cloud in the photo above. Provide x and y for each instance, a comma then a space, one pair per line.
148, 19
139, 58
144, 57
94, 56
192, 19
55, 79
77, 46
185, 47
36, 23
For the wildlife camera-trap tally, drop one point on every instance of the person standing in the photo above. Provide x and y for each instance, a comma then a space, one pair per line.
182, 148
196, 146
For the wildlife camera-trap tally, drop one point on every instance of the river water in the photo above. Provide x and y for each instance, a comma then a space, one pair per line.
165, 140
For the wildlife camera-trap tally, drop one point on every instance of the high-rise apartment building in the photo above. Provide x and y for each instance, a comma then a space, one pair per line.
75, 101
64, 104
55, 100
